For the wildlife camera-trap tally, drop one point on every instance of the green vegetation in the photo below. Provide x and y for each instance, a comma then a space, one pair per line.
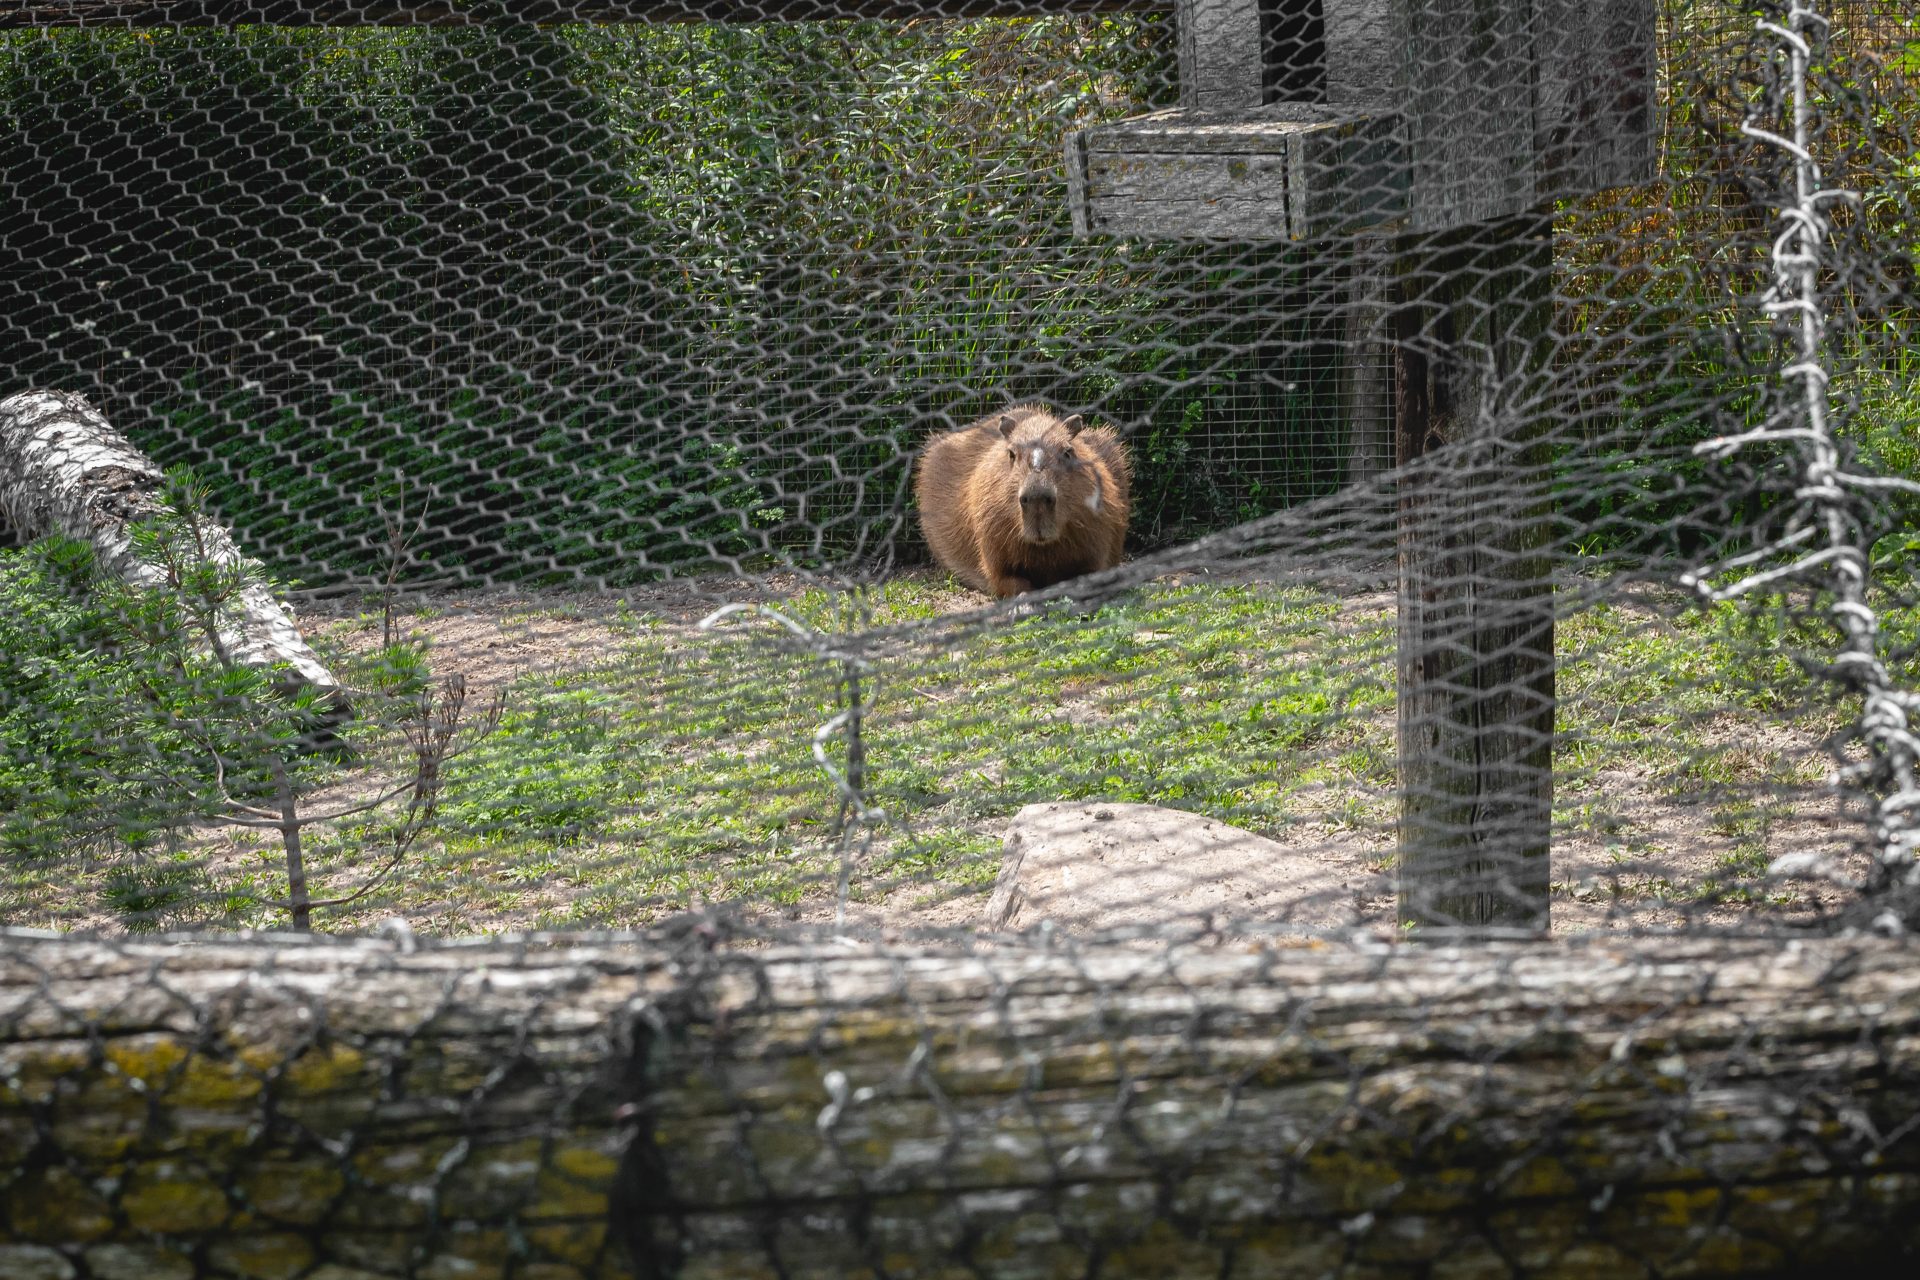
607, 301
692, 773
125, 724
111, 719
628, 298
680, 769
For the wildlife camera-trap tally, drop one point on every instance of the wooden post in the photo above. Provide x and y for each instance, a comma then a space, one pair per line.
1366, 372
1476, 670
1218, 44
1434, 133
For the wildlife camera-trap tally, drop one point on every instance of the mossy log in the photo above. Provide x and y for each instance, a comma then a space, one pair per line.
592, 1107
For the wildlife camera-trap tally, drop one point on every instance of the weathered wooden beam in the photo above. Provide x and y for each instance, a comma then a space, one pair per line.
360, 13
1220, 55
1449, 113
1239, 54
1594, 94
587, 1107
1363, 51
1509, 103
1366, 371
1465, 81
1476, 614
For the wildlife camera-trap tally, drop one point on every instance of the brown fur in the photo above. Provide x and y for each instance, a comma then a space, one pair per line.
971, 507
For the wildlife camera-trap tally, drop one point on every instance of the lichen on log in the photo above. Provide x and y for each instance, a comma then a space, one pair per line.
608, 1107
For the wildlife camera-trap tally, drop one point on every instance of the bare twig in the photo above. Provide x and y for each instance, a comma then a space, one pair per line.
435, 738
399, 553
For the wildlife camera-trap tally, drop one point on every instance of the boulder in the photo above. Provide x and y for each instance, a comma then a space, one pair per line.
1091, 866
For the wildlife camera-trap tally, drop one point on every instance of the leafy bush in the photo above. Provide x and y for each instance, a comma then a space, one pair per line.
325, 487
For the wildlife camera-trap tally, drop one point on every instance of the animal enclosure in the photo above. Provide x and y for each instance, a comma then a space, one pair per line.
1520, 562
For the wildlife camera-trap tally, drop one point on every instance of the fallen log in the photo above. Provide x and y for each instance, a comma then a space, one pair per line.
590, 1107
65, 470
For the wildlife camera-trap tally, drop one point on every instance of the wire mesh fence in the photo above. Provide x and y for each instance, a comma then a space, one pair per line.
1425, 511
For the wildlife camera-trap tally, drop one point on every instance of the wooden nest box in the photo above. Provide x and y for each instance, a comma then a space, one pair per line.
1307, 118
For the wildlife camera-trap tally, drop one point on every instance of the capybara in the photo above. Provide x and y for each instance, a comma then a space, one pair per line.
1022, 499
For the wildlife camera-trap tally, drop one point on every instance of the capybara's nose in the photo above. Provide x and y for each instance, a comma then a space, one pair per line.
1036, 498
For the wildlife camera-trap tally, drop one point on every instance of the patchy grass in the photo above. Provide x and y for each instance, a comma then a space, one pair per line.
677, 766
683, 770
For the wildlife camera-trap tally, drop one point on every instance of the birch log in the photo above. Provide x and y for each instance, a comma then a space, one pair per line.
592, 1107
65, 470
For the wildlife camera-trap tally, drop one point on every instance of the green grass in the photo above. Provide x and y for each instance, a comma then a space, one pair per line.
683, 769
680, 768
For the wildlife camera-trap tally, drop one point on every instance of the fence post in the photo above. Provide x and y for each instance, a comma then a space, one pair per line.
1366, 373
1476, 664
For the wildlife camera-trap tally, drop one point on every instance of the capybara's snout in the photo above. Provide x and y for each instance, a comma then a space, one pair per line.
1040, 510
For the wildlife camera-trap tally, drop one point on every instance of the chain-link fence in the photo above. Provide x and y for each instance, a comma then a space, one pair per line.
1426, 472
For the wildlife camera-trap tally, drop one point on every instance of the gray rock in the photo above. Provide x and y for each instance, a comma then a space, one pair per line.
1090, 866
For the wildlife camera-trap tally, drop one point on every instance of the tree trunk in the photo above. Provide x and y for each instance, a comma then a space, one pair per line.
1605, 1107
65, 470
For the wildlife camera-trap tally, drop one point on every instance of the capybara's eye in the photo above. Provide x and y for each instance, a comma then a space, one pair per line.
1070, 456
1011, 455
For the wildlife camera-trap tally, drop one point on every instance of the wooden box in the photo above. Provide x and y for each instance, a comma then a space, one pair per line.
1282, 171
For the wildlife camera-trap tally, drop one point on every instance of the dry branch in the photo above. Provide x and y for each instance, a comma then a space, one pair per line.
65, 470
1696, 1106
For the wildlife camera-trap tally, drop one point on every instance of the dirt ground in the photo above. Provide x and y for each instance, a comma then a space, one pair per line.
497, 636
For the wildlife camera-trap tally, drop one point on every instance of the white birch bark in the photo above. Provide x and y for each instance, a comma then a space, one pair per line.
65, 470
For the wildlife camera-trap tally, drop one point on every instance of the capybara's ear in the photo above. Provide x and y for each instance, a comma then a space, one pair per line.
1073, 425
1006, 425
